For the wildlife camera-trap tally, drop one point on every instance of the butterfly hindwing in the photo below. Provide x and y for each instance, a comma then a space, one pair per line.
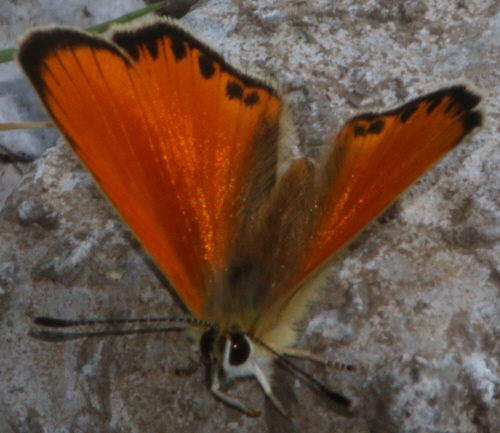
376, 156
373, 159
169, 130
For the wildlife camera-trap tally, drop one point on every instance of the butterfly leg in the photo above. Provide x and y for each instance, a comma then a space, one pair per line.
305, 354
231, 401
266, 387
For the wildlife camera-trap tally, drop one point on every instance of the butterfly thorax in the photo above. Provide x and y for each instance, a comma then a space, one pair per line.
233, 308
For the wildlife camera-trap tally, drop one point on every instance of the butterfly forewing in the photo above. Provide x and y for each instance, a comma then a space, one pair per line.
215, 112
168, 130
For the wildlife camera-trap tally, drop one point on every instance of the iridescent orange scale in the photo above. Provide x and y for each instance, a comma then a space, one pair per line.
213, 135
168, 145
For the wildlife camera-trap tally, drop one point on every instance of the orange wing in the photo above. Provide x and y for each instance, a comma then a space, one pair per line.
169, 130
377, 156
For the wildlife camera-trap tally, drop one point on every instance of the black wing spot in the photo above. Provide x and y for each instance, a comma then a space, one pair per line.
408, 111
132, 50
234, 90
178, 48
434, 103
152, 47
376, 127
207, 67
180, 41
251, 99
472, 120
131, 45
359, 131
463, 98
458, 98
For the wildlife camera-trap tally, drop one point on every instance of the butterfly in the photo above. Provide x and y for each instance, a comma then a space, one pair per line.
189, 149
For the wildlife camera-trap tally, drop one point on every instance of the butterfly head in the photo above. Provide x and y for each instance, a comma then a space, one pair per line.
233, 354
234, 348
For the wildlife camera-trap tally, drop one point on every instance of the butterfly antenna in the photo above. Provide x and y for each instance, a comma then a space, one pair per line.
310, 380
52, 322
303, 354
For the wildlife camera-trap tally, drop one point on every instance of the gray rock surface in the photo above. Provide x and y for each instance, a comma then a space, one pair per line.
414, 304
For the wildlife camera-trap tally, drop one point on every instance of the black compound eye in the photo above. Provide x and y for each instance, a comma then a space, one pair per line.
239, 349
207, 342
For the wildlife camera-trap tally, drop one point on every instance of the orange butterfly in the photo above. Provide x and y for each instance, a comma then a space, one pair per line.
187, 148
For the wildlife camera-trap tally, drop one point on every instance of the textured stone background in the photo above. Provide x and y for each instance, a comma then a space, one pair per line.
414, 304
